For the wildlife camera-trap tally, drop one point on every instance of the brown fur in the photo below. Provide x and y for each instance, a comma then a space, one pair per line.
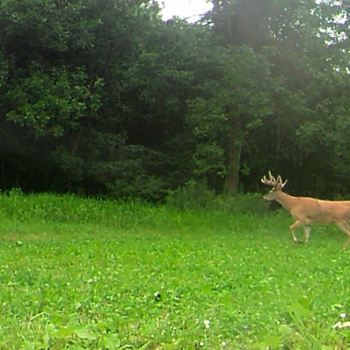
307, 211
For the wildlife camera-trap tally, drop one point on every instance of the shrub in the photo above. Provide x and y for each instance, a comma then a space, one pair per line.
251, 203
194, 196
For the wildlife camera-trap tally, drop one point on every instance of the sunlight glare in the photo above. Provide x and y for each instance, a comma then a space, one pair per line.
184, 8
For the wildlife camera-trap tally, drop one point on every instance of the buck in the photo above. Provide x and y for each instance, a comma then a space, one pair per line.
307, 211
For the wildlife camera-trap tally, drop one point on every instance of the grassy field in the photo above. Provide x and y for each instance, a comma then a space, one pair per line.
87, 274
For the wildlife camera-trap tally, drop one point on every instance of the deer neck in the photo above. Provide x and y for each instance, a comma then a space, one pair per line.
286, 200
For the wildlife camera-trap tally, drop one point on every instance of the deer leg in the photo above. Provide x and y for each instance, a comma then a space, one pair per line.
345, 229
307, 233
293, 227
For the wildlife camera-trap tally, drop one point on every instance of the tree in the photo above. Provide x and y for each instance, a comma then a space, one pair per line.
104, 97
63, 62
283, 62
234, 99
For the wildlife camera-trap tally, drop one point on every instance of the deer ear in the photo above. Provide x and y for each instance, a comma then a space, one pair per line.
284, 183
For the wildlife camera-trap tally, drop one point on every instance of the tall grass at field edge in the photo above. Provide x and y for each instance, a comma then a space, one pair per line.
49, 208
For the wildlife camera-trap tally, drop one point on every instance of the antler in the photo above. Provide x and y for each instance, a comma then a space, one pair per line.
273, 182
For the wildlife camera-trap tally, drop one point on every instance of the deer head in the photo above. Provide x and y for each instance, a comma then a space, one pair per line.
277, 186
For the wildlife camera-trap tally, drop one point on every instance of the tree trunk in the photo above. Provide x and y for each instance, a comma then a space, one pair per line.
76, 141
233, 158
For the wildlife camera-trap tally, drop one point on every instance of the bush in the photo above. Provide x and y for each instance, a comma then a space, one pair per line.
194, 196
148, 188
251, 203
191, 196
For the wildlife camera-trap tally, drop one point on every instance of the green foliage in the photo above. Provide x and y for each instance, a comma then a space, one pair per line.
233, 100
105, 98
194, 196
52, 103
148, 188
242, 204
191, 196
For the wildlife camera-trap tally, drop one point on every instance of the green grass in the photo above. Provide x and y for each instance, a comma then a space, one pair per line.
88, 274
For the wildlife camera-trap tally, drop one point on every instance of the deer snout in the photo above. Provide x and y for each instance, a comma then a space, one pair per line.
267, 198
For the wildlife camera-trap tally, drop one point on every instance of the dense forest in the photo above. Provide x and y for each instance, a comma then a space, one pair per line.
105, 98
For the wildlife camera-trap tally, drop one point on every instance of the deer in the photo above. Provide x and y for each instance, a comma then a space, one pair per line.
307, 211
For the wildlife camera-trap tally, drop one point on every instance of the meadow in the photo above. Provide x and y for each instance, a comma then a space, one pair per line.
100, 274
